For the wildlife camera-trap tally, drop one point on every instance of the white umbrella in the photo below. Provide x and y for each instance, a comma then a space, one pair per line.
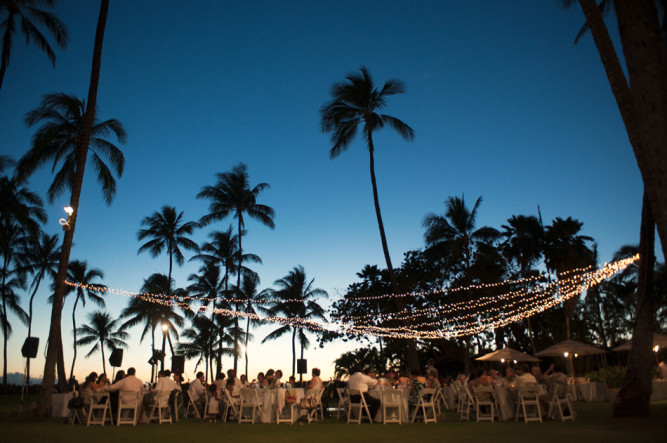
569, 347
659, 340
507, 354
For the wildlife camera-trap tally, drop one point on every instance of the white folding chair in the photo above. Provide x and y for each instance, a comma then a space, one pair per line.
392, 408
343, 401
250, 407
288, 414
192, 404
99, 406
467, 403
128, 401
230, 405
440, 401
358, 408
77, 411
316, 396
528, 403
485, 407
425, 405
560, 405
160, 408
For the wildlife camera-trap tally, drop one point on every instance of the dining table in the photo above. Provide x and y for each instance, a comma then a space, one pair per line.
405, 396
59, 404
273, 400
659, 390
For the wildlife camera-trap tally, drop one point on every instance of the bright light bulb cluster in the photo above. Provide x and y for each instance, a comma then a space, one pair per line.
452, 320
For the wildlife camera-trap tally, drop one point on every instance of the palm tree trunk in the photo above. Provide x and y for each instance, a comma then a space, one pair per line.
411, 351
293, 350
247, 333
38, 280
44, 400
634, 397
238, 285
5, 265
104, 364
71, 371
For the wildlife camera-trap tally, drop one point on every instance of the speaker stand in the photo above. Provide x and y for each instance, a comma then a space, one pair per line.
24, 388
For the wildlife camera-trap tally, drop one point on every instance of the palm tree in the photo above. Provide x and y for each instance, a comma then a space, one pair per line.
523, 244
41, 259
29, 14
357, 101
453, 237
296, 299
232, 195
203, 337
154, 315
103, 331
82, 146
12, 239
645, 51
167, 231
62, 116
17, 202
565, 249
253, 298
83, 276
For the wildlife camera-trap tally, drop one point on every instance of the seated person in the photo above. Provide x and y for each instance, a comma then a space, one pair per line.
416, 386
129, 383
479, 377
316, 381
432, 379
268, 379
197, 390
244, 381
361, 380
524, 377
220, 381
233, 389
260, 382
555, 379
87, 388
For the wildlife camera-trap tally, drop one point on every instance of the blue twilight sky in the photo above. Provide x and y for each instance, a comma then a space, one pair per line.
503, 105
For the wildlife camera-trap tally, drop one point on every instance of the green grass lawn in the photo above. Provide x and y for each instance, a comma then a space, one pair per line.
593, 424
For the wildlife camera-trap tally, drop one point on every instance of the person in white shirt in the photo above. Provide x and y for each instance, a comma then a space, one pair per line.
662, 369
197, 390
235, 391
362, 381
525, 377
129, 383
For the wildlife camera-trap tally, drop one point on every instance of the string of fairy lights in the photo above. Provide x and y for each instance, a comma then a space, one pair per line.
449, 319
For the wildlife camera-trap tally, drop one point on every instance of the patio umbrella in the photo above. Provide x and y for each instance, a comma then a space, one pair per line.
659, 340
568, 349
571, 347
507, 354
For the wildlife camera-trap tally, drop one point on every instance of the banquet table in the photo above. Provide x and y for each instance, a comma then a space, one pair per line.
659, 390
59, 404
450, 396
505, 402
274, 399
592, 391
405, 410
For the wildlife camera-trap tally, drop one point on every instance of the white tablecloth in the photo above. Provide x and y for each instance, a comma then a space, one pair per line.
592, 391
405, 410
505, 402
450, 396
59, 404
274, 399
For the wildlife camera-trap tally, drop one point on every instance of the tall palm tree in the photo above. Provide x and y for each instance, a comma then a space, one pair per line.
28, 13
103, 330
645, 51
203, 337
12, 240
80, 274
167, 230
41, 260
356, 101
82, 146
454, 237
154, 315
297, 298
232, 195
566, 249
61, 117
523, 245
253, 298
